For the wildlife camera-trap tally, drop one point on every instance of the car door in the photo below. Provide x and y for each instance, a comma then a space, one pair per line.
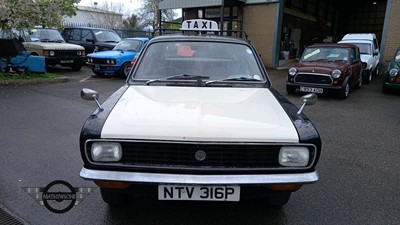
356, 65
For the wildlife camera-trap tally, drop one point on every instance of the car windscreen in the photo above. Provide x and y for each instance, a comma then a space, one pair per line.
45, 35
129, 45
365, 48
214, 60
325, 53
107, 36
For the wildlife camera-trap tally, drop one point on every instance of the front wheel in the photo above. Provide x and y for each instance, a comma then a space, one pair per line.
113, 196
376, 71
343, 94
367, 78
76, 66
359, 83
125, 69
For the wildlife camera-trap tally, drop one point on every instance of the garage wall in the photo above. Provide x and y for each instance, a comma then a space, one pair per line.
393, 31
259, 23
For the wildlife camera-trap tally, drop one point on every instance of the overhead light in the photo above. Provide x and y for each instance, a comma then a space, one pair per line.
373, 3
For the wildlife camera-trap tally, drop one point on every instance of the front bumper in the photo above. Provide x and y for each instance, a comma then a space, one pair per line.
159, 178
63, 61
327, 89
109, 69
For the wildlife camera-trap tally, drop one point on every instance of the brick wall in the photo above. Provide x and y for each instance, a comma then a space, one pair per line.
393, 33
259, 24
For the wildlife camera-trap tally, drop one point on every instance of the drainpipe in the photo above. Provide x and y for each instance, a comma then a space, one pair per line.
385, 29
277, 37
222, 17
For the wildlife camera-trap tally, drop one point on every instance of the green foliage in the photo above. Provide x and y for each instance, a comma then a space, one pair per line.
32, 76
30, 13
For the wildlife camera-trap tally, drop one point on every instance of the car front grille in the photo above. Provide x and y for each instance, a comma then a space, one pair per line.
184, 155
99, 61
66, 53
313, 78
227, 157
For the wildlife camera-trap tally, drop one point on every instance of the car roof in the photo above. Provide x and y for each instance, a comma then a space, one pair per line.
332, 45
90, 28
211, 38
137, 38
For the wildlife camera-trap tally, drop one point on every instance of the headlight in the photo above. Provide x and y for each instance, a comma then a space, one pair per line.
51, 53
106, 152
393, 72
89, 60
294, 156
336, 73
292, 71
79, 53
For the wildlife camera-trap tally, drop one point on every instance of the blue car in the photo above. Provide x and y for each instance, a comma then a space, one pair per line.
118, 60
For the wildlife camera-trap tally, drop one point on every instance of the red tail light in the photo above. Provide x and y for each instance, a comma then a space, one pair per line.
134, 60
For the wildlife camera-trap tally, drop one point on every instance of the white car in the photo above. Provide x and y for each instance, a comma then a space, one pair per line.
199, 120
369, 50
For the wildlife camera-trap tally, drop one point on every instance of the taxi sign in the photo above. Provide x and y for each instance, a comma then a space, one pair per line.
200, 25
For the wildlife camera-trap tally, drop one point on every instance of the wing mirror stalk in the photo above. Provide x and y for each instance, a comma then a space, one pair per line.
91, 95
308, 99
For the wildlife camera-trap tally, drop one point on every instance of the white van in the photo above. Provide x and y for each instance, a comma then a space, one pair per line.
369, 50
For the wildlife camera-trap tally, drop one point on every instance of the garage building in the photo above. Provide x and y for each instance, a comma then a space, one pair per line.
280, 29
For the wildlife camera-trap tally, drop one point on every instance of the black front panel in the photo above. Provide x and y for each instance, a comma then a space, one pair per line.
224, 158
313, 79
170, 154
99, 61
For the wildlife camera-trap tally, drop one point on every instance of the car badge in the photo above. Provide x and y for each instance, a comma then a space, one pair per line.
313, 71
200, 155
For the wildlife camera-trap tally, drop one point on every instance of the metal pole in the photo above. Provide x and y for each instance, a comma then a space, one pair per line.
222, 17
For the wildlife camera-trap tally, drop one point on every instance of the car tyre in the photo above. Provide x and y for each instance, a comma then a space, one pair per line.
359, 83
125, 69
376, 71
113, 196
290, 89
76, 66
343, 94
368, 79
279, 199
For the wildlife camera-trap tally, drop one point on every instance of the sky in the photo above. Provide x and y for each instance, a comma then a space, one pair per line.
130, 5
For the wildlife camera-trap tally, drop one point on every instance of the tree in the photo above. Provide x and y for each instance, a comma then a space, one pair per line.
131, 22
30, 13
113, 16
148, 14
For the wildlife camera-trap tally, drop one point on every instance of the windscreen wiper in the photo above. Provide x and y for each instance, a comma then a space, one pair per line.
180, 77
233, 79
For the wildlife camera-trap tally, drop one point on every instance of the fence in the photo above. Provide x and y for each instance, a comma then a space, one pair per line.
124, 33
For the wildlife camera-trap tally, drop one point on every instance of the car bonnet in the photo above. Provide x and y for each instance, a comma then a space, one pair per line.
199, 114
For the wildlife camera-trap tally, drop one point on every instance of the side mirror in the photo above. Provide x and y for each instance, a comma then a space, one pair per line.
375, 54
90, 40
308, 99
91, 95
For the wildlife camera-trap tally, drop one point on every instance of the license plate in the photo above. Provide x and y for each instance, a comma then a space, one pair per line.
199, 193
310, 89
67, 61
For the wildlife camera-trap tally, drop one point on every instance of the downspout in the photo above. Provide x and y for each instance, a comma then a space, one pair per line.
385, 29
222, 17
277, 37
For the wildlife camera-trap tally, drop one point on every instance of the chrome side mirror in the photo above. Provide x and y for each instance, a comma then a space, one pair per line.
308, 99
91, 95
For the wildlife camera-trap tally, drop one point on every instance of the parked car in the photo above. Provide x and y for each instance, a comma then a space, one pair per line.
49, 43
369, 50
199, 120
326, 68
117, 61
93, 39
391, 77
